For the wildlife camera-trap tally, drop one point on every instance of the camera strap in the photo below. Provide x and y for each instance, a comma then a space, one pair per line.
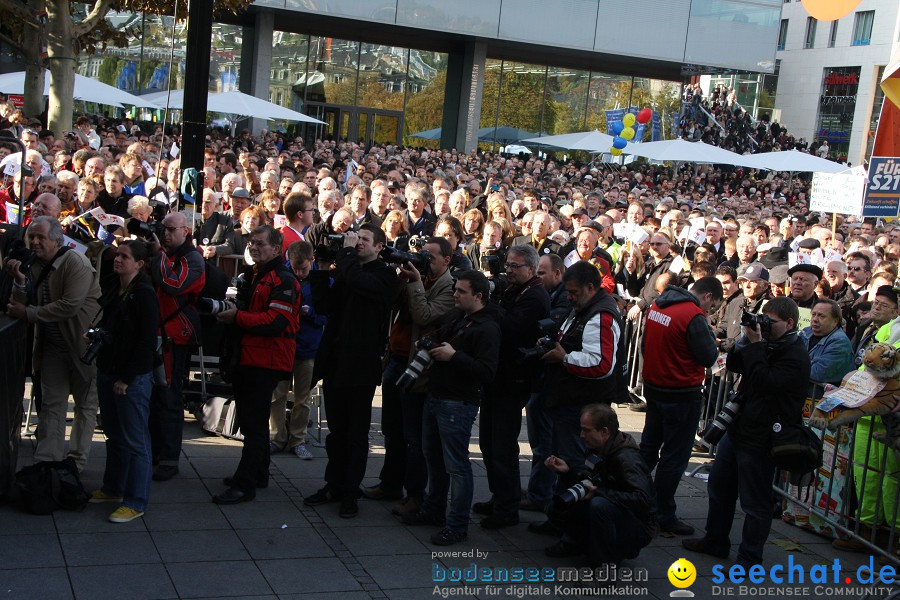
45, 273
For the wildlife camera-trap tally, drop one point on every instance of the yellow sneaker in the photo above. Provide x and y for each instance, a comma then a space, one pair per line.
124, 514
98, 496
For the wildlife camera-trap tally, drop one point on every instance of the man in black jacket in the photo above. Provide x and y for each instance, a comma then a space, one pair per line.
464, 363
774, 385
644, 286
524, 303
617, 515
349, 358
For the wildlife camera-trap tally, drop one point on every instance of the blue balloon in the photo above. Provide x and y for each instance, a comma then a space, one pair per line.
619, 142
617, 128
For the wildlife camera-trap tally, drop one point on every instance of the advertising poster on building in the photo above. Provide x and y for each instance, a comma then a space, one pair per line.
883, 189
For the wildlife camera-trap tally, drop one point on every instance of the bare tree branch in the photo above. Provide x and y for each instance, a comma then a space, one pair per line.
98, 11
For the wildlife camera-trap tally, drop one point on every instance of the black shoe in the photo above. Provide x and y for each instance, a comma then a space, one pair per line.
323, 496
545, 528
638, 407
499, 521
704, 546
164, 472
377, 492
233, 496
677, 527
349, 507
446, 537
483, 508
528, 504
229, 481
422, 518
562, 549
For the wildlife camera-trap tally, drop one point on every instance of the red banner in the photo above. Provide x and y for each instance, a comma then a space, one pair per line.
18, 100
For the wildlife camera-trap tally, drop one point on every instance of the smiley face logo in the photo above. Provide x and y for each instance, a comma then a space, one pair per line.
682, 573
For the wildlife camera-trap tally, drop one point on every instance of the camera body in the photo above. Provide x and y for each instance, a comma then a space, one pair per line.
720, 424
327, 250
752, 320
549, 329
417, 242
420, 260
145, 230
98, 337
421, 361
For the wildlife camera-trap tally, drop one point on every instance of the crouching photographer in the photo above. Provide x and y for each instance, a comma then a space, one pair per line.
774, 364
269, 325
608, 509
123, 343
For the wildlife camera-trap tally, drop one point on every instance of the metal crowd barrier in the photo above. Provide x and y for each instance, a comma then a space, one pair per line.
855, 494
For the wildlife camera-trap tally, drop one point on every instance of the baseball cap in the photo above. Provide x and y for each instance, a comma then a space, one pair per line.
240, 193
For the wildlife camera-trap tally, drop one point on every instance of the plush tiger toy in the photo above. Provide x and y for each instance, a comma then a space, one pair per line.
883, 361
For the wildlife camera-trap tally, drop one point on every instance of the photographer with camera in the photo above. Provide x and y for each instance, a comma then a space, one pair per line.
179, 274
607, 509
465, 358
55, 289
267, 314
524, 302
678, 346
774, 365
127, 339
358, 307
326, 236
423, 302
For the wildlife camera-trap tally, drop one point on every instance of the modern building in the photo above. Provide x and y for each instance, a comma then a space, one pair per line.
828, 74
383, 70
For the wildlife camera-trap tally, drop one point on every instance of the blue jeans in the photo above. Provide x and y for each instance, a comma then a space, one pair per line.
666, 444
127, 429
738, 473
566, 442
540, 438
446, 430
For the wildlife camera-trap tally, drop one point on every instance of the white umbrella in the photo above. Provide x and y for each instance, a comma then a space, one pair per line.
235, 103
682, 151
794, 161
86, 89
592, 141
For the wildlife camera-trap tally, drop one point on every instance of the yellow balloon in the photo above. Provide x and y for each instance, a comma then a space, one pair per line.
627, 133
615, 151
628, 120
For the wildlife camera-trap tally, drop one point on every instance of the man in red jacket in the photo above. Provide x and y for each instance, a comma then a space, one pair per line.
268, 318
678, 347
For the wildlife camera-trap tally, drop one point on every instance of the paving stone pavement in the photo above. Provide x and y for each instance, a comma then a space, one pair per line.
275, 547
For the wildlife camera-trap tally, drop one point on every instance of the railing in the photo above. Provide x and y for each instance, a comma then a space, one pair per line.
854, 494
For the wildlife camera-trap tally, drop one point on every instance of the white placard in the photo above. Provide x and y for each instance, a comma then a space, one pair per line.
77, 246
837, 193
280, 221
678, 265
832, 254
698, 222
106, 219
798, 258
621, 230
637, 235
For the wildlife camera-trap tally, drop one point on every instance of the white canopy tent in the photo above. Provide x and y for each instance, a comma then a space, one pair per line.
234, 103
794, 161
683, 151
86, 89
591, 141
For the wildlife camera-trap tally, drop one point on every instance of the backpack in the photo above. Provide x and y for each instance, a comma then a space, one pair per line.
47, 486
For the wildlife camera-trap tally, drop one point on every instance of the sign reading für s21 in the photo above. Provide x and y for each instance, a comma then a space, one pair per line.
883, 188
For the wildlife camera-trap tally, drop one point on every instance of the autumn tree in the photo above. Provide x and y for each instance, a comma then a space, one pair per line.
65, 32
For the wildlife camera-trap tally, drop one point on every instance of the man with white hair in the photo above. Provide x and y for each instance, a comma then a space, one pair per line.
66, 184
841, 291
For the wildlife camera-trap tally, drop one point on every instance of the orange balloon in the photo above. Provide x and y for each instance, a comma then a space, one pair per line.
829, 10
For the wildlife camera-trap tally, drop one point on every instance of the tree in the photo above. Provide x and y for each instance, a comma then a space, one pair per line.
66, 33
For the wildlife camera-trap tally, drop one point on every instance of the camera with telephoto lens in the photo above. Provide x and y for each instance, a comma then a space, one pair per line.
718, 426
576, 493
493, 261
421, 361
144, 230
98, 338
211, 306
752, 320
420, 260
549, 329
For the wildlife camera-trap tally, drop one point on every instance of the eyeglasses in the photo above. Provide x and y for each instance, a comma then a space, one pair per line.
258, 243
879, 305
510, 265
659, 243
172, 229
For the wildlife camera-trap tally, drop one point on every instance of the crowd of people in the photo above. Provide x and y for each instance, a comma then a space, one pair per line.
464, 285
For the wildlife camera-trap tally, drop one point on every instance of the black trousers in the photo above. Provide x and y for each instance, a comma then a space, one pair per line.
349, 412
499, 426
253, 387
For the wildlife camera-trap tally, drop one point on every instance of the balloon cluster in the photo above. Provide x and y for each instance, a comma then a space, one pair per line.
623, 131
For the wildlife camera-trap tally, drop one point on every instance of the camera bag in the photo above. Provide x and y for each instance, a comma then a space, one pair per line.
47, 486
795, 448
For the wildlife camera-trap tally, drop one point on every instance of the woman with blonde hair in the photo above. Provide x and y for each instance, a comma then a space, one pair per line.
499, 209
396, 230
473, 226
